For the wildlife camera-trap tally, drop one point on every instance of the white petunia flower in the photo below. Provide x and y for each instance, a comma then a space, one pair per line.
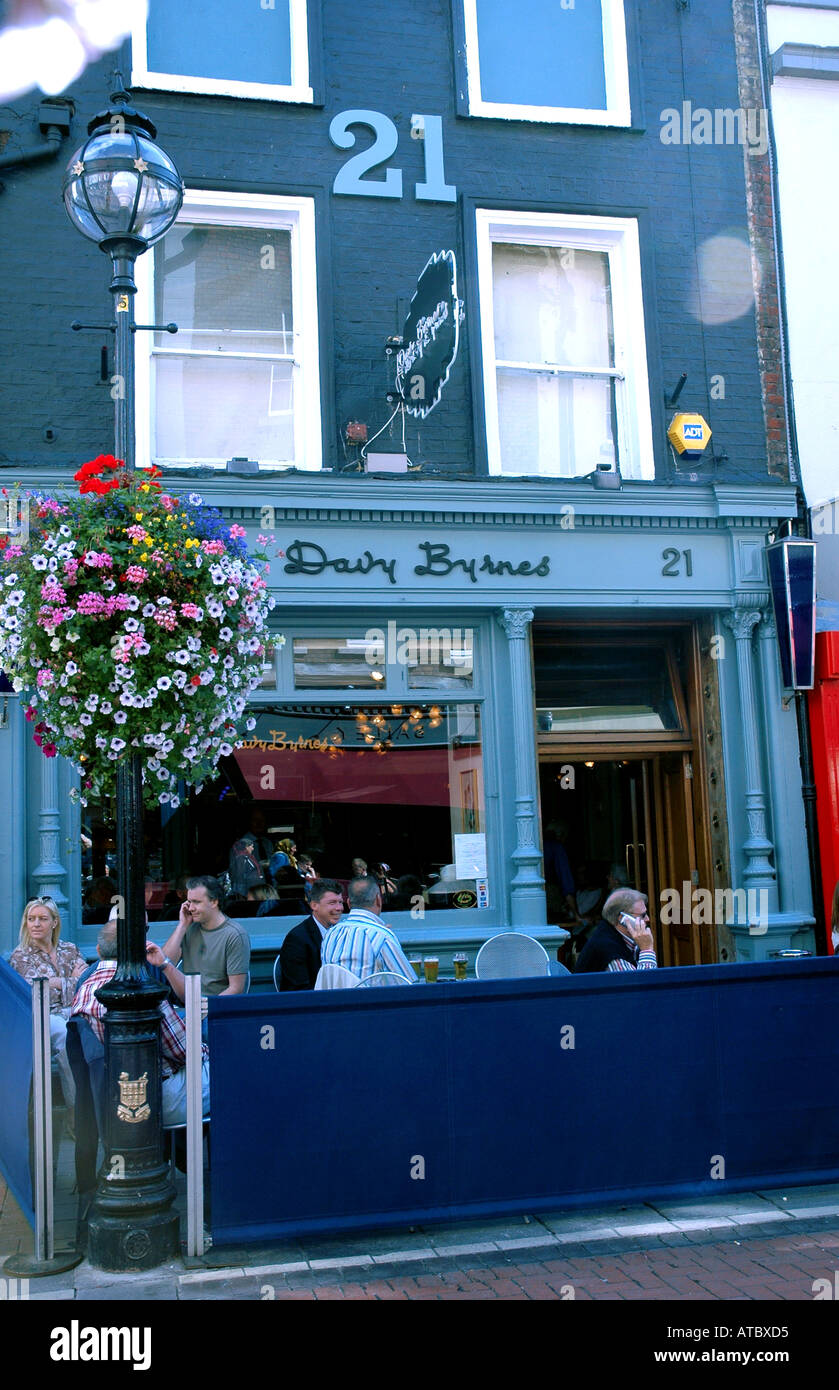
120, 716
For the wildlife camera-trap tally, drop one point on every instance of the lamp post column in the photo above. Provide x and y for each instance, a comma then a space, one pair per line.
132, 1224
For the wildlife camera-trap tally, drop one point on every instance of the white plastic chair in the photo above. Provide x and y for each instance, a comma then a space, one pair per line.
336, 977
383, 977
511, 955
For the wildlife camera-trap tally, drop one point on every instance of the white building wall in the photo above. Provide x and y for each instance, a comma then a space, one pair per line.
805, 114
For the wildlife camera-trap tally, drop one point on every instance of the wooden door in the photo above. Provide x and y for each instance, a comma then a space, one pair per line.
676, 861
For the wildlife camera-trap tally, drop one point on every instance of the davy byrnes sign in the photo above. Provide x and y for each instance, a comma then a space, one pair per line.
430, 336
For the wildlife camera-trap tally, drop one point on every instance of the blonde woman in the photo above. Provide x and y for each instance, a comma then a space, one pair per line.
42, 954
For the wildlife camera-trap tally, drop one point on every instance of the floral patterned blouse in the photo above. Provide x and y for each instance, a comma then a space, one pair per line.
32, 963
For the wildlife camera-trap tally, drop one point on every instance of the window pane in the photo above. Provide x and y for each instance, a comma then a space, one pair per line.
552, 304
216, 409
227, 289
603, 689
535, 53
222, 39
555, 426
337, 663
310, 774
394, 783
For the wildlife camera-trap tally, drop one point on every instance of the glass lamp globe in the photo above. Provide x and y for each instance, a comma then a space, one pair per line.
119, 183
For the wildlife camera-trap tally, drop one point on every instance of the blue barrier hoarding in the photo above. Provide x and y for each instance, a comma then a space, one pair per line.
15, 1084
345, 1109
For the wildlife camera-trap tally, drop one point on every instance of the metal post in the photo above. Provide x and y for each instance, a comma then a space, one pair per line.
42, 1104
44, 1261
194, 1120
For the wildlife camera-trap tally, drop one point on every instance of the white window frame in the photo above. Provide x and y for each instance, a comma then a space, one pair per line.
618, 236
271, 212
616, 66
299, 89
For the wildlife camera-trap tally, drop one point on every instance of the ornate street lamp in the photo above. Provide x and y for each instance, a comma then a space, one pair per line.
123, 192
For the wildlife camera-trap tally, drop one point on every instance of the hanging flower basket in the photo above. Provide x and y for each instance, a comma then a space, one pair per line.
138, 622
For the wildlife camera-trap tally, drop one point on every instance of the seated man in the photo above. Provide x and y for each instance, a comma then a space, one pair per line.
300, 953
362, 942
211, 944
623, 940
172, 1029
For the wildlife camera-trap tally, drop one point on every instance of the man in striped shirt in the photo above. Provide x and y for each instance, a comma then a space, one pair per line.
361, 941
623, 940
172, 1029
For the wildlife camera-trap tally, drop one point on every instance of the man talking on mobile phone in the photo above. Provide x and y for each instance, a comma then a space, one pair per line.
623, 939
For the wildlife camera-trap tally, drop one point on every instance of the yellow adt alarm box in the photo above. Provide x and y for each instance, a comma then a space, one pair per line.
689, 434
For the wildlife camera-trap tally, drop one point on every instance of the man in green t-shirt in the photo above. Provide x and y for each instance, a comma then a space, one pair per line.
210, 943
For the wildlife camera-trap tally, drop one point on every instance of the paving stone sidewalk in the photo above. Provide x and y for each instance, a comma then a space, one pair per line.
772, 1244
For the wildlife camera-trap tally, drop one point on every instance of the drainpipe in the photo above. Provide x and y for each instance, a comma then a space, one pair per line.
54, 121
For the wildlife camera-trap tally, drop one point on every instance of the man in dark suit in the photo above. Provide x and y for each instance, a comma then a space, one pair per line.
300, 952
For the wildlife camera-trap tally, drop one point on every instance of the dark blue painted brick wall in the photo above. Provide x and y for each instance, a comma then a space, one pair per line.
397, 57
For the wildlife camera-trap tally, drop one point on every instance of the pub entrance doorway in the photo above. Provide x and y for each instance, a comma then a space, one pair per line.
620, 749
636, 814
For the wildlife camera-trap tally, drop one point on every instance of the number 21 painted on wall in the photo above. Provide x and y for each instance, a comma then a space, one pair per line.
349, 181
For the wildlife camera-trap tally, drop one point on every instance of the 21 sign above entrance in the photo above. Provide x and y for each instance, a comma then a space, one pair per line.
430, 336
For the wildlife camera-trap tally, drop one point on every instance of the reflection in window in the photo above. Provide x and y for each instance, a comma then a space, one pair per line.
196, 38
555, 359
538, 54
337, 663
224, 386
543, 60
605, 689
397, 784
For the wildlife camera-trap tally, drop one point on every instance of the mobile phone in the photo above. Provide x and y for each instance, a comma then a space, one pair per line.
628, 921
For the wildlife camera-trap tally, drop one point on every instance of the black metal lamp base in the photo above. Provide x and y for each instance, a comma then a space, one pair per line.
141, 1243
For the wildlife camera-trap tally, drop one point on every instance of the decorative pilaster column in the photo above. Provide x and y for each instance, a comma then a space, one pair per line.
50, 875
527, 887
757, 847
14, 788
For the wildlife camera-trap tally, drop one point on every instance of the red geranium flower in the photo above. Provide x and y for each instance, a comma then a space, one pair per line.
196, 680
100, 488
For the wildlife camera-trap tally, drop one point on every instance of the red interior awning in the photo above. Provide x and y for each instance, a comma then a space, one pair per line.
398, 777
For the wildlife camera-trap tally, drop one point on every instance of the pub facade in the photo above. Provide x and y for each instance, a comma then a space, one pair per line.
472, 332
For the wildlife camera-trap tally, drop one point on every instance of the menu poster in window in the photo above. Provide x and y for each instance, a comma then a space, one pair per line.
470, 856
